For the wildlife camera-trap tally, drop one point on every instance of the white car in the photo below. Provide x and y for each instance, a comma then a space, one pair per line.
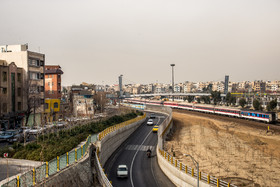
122, 171
150, 122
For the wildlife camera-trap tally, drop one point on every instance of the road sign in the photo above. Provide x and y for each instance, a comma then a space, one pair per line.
5, 155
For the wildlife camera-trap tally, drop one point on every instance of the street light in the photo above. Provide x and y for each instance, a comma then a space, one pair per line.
197, 167
172, 65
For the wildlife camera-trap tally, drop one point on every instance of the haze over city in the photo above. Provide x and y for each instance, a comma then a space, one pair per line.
96, 41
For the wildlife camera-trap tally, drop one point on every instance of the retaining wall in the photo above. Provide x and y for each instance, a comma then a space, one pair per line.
109, 143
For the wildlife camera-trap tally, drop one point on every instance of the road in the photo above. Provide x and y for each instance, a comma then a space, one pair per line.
143, 171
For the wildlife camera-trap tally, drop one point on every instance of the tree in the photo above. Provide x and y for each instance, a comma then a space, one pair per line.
242, 102
228, 98
100, 100
272, 105
216, 96
198, 99
190, 98
206, 99
257, 104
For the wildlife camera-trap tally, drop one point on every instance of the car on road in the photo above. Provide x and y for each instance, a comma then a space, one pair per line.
35, 131
150, 122
155, 128
122, 171
152, 116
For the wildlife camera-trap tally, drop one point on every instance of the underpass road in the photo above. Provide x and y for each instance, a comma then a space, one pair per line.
143, 171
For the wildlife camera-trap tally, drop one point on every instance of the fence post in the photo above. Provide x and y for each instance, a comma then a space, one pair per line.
180, 166
34, 176
208, 179
217, 182
176, 163
17, 181
67, 159
75, 154
172, 160
57, 163
47, 169
82, 152
192, 172
186, 169
200, 175
228, 184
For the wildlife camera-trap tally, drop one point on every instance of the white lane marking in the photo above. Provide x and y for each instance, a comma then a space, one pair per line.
131, 180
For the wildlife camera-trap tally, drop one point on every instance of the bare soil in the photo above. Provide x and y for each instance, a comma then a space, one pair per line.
241, 152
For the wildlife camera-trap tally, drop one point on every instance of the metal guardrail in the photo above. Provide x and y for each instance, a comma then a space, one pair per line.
38, 174
193, 172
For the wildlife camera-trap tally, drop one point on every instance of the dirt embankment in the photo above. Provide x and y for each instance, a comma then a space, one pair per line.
231, 151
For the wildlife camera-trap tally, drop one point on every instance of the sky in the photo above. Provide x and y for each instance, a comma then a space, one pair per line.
95, 41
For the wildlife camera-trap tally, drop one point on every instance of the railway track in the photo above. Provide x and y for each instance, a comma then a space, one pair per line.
249, 123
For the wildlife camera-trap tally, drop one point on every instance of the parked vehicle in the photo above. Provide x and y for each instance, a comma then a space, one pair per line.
5, 136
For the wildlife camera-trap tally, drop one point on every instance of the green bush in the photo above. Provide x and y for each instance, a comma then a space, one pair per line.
50, 145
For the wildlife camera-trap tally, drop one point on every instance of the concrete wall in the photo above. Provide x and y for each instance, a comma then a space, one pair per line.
82, 173
178, 177
113, 140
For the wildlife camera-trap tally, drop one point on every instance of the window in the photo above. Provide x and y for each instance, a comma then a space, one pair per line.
19, 106
4, 107
19, 77
4, 76
19, 92
36, 75
55, 105
46, 105
34, 62
42, 63
4, 90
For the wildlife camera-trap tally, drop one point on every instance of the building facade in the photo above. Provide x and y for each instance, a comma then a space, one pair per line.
33, 68
11, 94
53, 81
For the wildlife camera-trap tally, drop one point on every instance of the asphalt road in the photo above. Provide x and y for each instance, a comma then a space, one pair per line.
143, 171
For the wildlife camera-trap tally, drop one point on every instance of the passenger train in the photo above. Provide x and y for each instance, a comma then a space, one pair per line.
267, 117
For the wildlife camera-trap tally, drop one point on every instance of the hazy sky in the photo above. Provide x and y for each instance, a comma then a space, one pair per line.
97, 40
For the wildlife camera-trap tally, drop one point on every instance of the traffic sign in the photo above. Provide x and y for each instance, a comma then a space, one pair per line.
5, 155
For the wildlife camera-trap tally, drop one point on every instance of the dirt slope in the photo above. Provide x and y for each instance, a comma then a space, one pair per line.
232, 151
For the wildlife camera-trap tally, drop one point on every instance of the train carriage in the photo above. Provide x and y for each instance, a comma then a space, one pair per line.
227, 111
203, 108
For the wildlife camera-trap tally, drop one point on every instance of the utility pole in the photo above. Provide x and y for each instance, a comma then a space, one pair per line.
120, 86
172, 65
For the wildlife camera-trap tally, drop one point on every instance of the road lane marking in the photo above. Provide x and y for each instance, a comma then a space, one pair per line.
131, 166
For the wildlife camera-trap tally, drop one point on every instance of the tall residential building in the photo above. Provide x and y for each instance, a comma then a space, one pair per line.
33, 67
11, 94
53, 81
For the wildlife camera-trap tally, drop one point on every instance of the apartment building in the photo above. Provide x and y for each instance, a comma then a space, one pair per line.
11, 94
33, 67
53, 81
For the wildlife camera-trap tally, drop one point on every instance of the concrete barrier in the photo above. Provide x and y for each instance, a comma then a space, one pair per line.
113, 140
178, 177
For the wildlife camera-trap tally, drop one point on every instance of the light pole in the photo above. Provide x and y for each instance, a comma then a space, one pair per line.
197, 167
172, 65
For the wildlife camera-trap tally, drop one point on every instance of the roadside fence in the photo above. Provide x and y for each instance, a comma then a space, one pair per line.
108, 130
193, 172
38, 174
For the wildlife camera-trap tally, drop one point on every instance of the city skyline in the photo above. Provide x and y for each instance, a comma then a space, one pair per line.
95, 42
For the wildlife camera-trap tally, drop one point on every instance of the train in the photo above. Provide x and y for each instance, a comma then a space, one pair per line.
266, 117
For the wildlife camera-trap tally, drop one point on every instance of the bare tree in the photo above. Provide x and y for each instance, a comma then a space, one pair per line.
100, 101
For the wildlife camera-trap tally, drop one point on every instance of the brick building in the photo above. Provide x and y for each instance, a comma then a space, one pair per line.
53, 81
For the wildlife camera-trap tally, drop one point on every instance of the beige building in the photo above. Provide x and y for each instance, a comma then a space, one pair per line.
33, 67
